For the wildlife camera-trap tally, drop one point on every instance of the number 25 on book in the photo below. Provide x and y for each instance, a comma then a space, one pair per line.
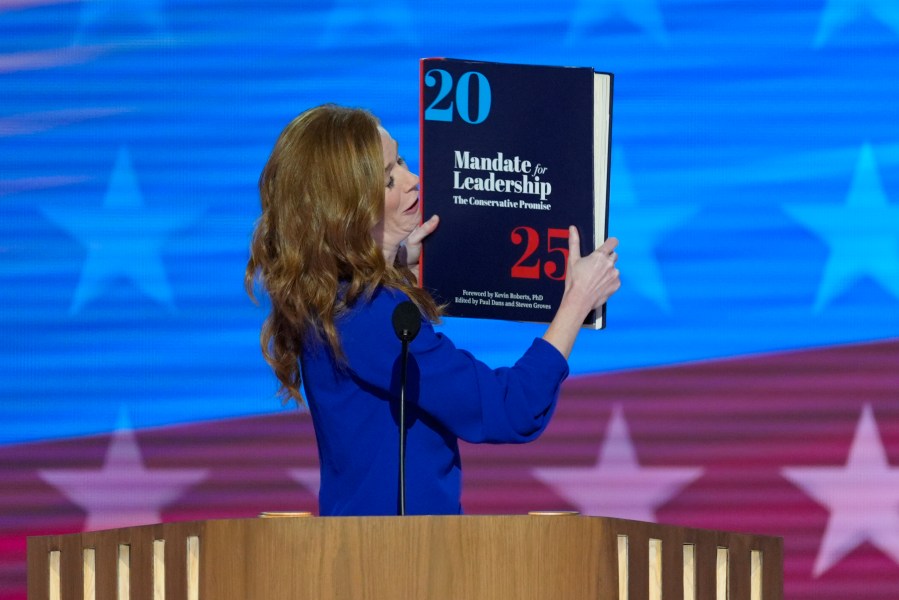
554, 267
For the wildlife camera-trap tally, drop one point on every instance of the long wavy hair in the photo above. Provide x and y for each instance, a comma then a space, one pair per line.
322, 192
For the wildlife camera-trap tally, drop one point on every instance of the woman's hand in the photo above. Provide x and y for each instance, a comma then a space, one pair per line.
591, 279
589, 282
412, 244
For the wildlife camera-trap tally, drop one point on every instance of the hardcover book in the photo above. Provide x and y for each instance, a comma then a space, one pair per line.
511, 155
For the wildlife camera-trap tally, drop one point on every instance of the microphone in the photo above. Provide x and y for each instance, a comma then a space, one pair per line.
406, 325
406, 321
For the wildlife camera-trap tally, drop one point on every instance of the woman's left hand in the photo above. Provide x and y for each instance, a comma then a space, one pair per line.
413, 242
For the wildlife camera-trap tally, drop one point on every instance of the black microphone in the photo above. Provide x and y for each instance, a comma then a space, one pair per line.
406, 324
406, 321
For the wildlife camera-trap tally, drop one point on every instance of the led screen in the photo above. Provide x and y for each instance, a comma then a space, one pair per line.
748, 377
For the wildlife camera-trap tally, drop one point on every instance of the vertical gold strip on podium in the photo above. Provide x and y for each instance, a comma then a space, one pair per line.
53, 574
123, 589
90, 573
721, 588
158, 569
193, 568
622, 568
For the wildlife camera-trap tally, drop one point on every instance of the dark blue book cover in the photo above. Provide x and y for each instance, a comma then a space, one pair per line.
511, 155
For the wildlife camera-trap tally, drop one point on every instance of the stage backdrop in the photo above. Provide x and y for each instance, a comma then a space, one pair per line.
749, 375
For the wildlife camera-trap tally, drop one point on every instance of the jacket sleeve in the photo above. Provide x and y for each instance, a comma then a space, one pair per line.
469, 399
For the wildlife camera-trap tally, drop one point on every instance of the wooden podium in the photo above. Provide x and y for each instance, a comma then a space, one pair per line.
565, 557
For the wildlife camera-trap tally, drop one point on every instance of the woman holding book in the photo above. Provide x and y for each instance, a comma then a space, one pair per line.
336, 249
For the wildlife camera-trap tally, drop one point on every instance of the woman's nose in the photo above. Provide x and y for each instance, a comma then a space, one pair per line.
413, 182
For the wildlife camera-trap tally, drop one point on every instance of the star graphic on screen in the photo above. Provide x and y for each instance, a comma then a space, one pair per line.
642, 229
863, 234
839, 13
309, 478
862, 497
123, 492
645, 14
123, 238
354, 23
617, 486
126, 19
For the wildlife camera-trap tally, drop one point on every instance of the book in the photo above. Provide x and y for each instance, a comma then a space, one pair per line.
511, 155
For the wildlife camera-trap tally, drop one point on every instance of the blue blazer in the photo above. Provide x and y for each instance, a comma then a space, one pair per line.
450, 395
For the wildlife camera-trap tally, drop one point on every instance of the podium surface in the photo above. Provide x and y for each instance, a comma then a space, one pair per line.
420, 557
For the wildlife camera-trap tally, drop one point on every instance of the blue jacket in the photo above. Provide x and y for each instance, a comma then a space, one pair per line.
450, 395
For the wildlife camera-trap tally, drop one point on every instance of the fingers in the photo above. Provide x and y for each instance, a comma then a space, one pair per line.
608, 246
607, 250
609, 280
430, 225
609, 283
424, 230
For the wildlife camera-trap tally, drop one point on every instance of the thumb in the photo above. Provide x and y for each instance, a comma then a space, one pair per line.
574, 245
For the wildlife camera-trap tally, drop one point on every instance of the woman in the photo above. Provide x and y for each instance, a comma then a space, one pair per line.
337, 249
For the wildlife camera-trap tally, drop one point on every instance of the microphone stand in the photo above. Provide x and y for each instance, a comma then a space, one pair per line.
406, 324
402, 491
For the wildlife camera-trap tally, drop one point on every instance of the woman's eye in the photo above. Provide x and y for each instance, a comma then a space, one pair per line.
400, 160
390, 182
